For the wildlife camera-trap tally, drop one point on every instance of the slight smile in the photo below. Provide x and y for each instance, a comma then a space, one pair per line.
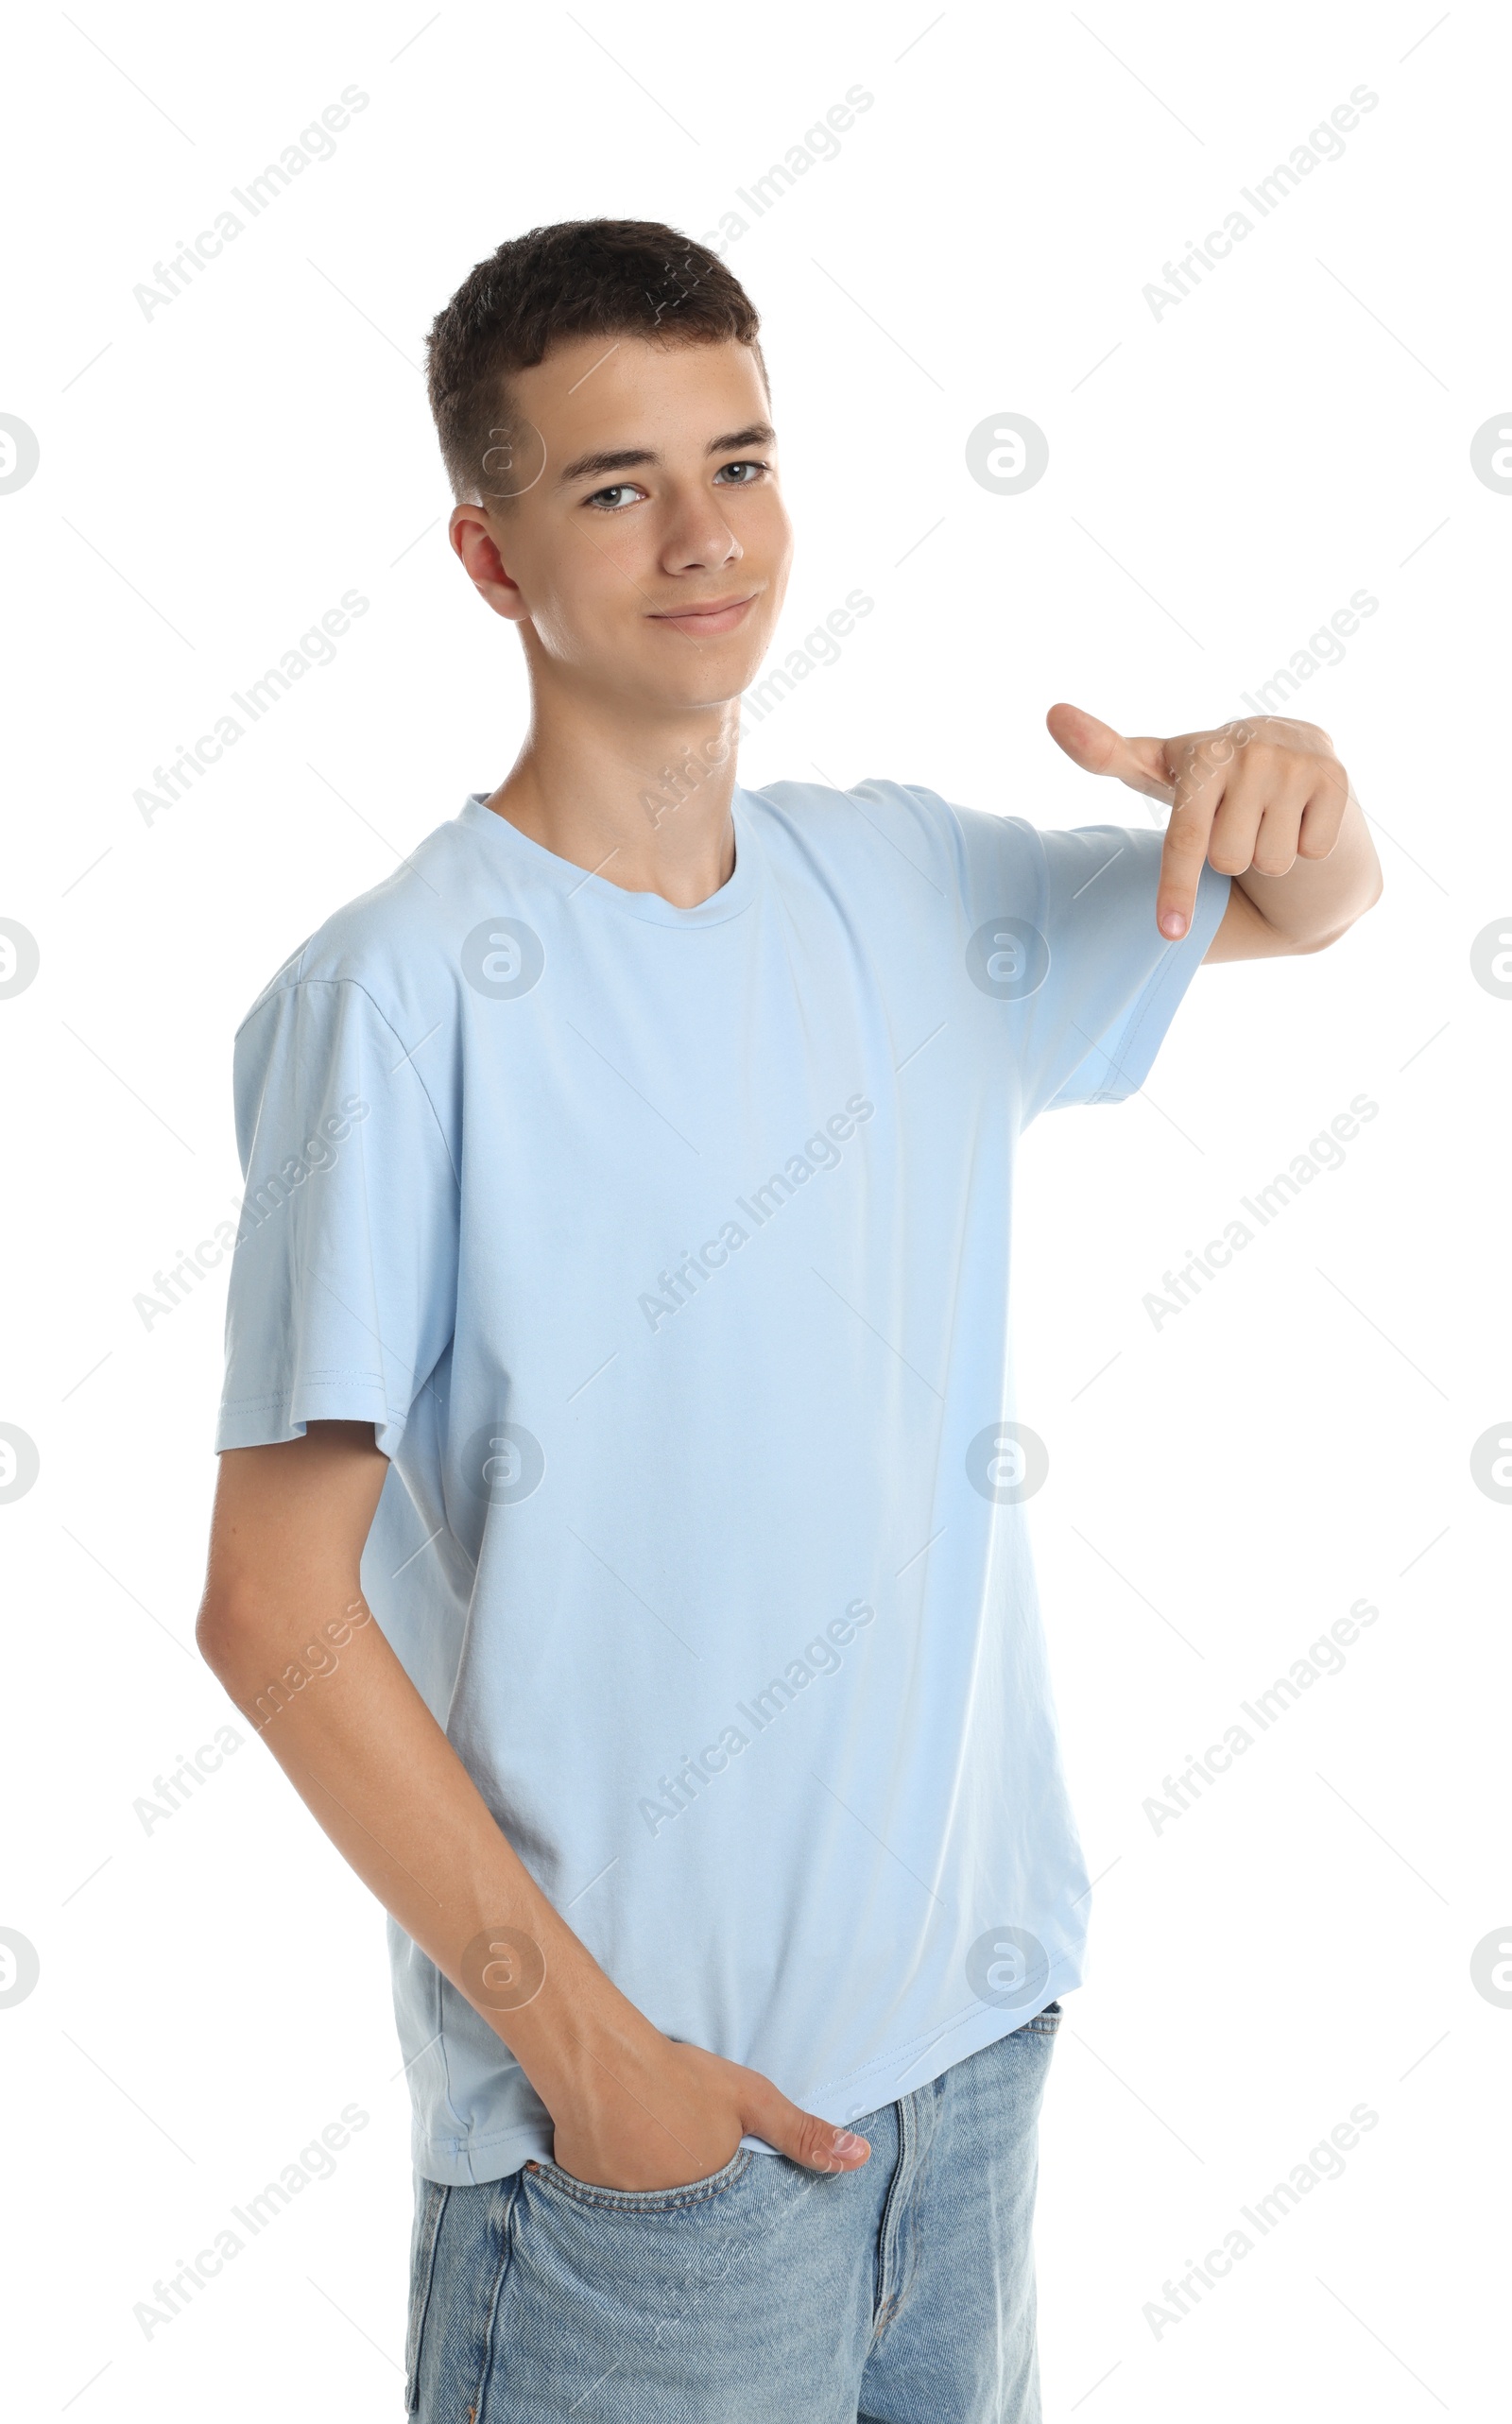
719, 615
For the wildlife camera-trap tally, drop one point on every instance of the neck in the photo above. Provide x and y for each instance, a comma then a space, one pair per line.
641, 799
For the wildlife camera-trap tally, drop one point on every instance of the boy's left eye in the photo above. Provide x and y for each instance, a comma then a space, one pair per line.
756, 470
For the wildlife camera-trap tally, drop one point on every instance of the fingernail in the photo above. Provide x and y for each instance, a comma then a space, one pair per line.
847, 2142
1174, 924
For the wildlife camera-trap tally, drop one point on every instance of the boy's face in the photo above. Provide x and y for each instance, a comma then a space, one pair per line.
643, 493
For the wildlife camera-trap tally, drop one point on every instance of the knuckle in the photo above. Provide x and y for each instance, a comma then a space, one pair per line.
1184, 832
1195, 780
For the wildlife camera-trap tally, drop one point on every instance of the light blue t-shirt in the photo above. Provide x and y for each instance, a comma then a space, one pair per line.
668, 1249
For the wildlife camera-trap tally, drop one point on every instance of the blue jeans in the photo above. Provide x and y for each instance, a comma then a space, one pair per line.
900, 2294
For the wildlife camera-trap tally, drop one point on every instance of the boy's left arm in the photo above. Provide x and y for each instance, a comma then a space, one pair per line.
1266, 801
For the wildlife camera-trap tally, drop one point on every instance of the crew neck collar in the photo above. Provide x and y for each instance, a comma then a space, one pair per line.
580, 884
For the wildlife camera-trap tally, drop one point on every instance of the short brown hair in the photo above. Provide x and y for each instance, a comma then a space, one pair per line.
578, 278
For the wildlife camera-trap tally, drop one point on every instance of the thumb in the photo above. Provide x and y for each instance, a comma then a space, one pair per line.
818, 2145
1098, 750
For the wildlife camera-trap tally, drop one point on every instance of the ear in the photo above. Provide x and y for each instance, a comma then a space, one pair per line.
474, 532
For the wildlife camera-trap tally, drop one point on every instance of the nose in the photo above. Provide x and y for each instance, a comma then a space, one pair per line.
699, 538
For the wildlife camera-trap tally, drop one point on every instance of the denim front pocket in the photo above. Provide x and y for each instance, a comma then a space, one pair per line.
645, 2200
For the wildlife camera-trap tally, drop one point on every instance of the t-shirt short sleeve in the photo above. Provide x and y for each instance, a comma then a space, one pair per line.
1061, 928
343, 1278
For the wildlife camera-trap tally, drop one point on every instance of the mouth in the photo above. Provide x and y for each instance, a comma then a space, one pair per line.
718, 614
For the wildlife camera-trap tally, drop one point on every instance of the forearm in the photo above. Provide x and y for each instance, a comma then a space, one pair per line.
363, 1752
285, 1628
1318, 897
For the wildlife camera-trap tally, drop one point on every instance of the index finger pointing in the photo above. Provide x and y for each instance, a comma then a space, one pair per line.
1182, 858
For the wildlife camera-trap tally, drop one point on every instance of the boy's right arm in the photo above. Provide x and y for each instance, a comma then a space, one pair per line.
630, 2107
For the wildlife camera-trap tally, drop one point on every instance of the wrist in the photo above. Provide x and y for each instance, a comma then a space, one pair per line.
579, 2040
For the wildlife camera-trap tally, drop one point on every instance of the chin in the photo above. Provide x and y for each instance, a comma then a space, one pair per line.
713, 681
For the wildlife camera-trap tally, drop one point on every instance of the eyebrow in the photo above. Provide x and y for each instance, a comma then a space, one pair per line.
632, 459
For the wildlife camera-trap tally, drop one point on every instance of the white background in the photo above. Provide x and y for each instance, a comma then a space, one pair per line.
1220, 480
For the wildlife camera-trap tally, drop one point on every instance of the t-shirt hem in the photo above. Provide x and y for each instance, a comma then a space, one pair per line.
474, 2162
909, 2066
268, 1421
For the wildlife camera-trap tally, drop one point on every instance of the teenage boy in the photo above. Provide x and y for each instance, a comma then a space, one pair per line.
619, 1319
